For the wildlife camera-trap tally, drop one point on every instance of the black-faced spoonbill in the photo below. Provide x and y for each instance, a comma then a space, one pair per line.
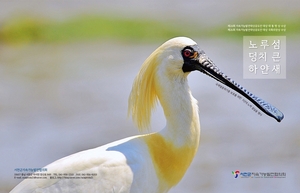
152, 162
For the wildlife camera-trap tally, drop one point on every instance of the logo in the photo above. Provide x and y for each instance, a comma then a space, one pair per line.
242, 174
236, 173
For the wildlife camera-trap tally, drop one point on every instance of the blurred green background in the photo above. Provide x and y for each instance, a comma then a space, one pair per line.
27, 28
66, 70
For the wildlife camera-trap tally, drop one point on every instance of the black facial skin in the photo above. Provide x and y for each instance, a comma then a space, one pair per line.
196, 59
191, 62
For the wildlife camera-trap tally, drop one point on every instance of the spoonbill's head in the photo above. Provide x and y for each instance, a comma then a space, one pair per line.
175, 59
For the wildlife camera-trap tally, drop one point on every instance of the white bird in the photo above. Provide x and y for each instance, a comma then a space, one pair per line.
152, 162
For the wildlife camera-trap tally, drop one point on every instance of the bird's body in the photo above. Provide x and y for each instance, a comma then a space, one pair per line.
134, 164
144, 163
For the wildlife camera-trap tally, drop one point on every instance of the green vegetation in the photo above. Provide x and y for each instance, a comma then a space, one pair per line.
95, 27
30, 29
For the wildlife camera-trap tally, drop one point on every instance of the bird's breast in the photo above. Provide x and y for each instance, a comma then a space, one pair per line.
170, 162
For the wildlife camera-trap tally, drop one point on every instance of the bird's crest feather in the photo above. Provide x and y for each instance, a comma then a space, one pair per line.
143, 96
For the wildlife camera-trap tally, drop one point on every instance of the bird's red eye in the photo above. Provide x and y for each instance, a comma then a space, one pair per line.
187, 53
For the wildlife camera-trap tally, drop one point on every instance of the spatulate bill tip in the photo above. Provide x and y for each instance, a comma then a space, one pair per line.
273, 112
279, 117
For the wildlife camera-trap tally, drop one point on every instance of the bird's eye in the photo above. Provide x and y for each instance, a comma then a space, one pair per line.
187, 53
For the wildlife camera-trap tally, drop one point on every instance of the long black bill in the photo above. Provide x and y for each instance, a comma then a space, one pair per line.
209, 68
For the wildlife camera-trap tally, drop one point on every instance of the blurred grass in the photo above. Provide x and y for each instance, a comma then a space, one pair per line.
28, 29
32, 29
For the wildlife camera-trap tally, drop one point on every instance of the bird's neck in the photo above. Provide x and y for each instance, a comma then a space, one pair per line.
173, 148
181, 112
